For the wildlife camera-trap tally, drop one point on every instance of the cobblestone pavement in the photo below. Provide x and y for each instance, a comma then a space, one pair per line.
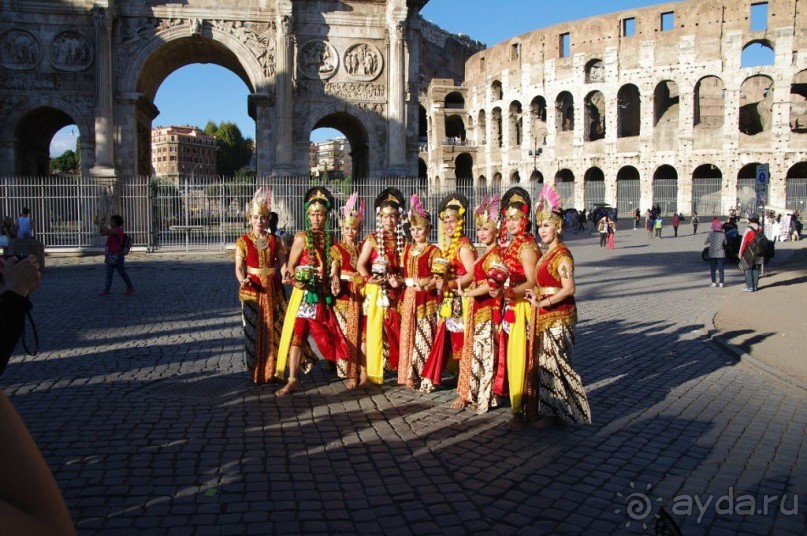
144, 412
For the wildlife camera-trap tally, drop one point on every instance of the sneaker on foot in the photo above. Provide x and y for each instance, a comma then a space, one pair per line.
746, 289
128, 292
104, 293
720, 285
714, 285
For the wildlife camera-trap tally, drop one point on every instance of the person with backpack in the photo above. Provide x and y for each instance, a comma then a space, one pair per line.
117, 247
752, 252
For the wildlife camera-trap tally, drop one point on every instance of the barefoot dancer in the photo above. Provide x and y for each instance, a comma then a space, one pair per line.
309, 306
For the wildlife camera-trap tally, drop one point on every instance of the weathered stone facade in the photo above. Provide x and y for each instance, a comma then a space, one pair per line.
351, 65
622, 117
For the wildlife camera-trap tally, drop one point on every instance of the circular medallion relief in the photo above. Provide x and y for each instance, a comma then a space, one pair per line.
71, 51
317, 59
363, 62
19, 50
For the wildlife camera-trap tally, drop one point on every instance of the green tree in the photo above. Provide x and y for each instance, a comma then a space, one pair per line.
234, 151
67, 162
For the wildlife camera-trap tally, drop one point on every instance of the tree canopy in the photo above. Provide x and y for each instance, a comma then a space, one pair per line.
67, 162
234, 151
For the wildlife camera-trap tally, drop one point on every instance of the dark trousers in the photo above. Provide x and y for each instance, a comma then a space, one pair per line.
119, 266
603, 239
717, 266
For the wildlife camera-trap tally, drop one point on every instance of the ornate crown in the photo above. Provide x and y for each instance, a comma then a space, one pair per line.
389, 201
548, 206
418, 217
318, 197
455, 204
352, 212
487, 213
261, 203
516, 201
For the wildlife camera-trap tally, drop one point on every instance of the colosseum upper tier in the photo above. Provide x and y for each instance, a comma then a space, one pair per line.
645, 107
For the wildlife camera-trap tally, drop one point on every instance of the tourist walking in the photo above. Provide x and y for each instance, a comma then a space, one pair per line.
258, 258
676, 219
637, 216
649, 223
25, 228
553, 392
380, 266
658, 225
419, 302
611, 232
695, 222
748, 259
602, 228
716, 240
114, 255
309, 312
479, 350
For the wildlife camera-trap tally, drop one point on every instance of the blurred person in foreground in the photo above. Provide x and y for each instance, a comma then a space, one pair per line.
30, 500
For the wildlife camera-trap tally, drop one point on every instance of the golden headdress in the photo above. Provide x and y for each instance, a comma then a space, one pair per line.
547, 208
455, 204
390, 200
261, 203
516, 201
317, 198
487, 213
352, 212
418, 216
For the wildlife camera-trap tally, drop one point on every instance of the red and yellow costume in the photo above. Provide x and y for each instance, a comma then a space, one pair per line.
347, 306
381, 318
418, 312
478, 363
263, 304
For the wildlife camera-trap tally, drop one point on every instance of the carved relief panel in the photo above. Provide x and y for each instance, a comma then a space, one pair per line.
71, 51
19, 50
317, 60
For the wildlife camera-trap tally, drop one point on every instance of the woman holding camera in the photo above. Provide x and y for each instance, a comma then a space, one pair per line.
380, 266
315, 282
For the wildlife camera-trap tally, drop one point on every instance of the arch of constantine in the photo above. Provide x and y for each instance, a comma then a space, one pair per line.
357, 66
640, 107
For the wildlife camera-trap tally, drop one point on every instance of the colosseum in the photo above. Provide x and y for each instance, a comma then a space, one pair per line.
651, 106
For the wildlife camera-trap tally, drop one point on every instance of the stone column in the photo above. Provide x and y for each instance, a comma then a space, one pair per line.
104, 119
396, 118
283, 91
260, 109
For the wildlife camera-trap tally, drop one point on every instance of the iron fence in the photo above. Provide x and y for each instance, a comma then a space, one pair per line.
796, 194
706, 195
628, 195
593, 193
665, 195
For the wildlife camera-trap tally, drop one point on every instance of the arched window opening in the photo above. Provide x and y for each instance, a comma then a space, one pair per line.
496, 127
423, 169
463, 169
423, 125
666, 101
798, 103
536, 177
665, 190
538, 121
628, 190
564, 112
593, 188
65, 151
496, 91
497, 181
455, 100
595, 71
564, 185
594, 116
455, 130
747, 188
628, 111
709, 101
757, 54
756, 105
516, 124
515, 177
481, 135
707, 186
796, 187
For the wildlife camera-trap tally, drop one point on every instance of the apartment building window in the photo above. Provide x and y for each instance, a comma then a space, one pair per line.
629, 27
565, 45
759, 17
667, 21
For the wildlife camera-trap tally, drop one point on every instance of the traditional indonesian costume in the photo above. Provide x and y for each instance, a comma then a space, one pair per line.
553, 388
478, 363
263, 305
517, 319
309, 313
347, 306
451, 327
381, 318
418, 311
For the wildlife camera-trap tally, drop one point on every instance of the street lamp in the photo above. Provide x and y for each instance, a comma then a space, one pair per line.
534, 153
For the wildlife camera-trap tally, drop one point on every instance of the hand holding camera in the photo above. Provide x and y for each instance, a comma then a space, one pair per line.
20, 275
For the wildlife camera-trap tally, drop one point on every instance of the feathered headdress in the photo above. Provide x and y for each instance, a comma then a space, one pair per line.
418, 217
261, 203
487, 213
352, 212
548, 206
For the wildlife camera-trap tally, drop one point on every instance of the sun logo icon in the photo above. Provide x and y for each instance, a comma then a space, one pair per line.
637, 505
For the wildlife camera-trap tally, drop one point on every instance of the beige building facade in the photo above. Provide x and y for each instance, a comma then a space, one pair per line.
182, 150
633, 109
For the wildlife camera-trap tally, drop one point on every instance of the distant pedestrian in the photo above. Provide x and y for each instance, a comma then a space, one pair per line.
611, 232
695, 222
7, 233
649, 221
637, 216
113, 255
750, 262
602, 228
716, 240
25, 228
675, 221
658, 225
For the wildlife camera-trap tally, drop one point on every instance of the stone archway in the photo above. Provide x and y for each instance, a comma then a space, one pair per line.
360, 138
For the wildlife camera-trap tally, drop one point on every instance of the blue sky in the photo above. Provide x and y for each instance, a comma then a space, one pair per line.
197, 93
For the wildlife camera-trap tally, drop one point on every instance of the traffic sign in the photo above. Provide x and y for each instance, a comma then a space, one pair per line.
763, 174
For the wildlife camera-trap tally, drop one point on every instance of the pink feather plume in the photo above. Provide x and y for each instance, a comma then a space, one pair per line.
415, 206
549, 196
351, 204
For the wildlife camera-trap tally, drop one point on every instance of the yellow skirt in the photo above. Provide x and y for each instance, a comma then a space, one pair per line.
517, 355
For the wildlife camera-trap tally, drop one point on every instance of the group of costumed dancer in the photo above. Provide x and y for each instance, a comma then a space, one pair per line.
502, 322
